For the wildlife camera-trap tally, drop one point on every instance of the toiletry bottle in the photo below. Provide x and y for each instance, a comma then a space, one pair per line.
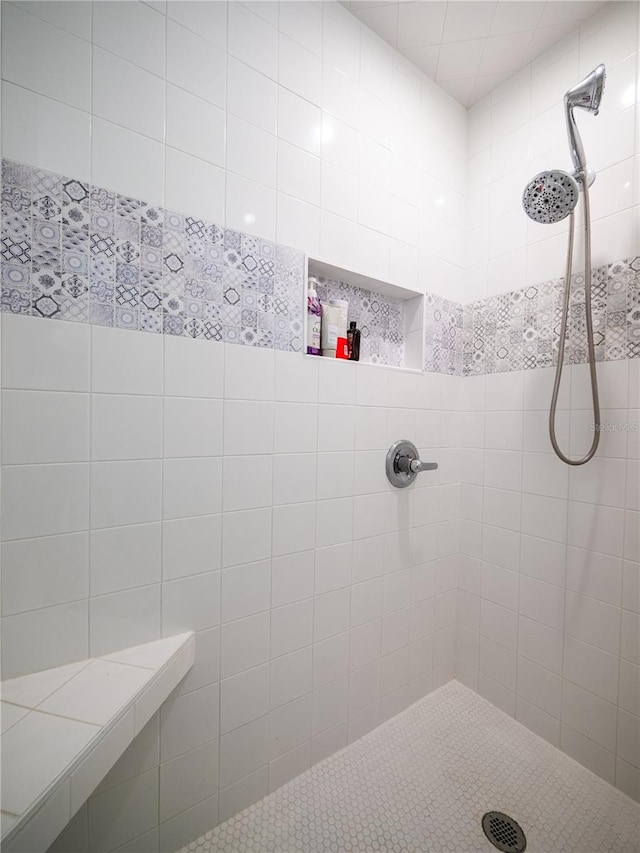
330, 326
342, 344
353, 337
314, 320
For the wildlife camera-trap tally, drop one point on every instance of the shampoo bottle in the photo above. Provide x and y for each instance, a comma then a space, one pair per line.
353, 339
314, 320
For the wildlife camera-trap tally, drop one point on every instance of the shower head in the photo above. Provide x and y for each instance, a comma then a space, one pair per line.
550, 196
586, 95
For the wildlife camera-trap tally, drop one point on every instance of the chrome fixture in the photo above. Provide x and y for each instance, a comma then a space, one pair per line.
403, 464
552, 196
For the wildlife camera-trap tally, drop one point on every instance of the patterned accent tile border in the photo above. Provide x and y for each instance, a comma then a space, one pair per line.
443, 329
73, 251
379, 318
519, 330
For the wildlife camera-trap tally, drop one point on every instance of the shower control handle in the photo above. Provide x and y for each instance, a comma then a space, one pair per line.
414, 466
403, 464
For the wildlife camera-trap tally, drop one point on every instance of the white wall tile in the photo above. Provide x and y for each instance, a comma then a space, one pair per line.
194, 185
333, 567
291, 676
139, 427
240, 470
125, 557
248, 427
251, 152
193, 368
240, 795
192, 427
253, 40
195, 126
76, 20
295, 427
43, 356
294, 477
191, 487
122, 363
41, 639
198, 769
208, 21
127, 161
40, 500
290, 725
188, 721
250, 207
195, 65
292, 578
237, 547
245, 590
331, 613
291, 627
124, 812
299, 122
125, 493
44, 427
43, 572
294, 527
122, 619
45, 59
144, 111
243, 751
590, 668
251, 95
27, 115
136, 33
244, 698
191, 603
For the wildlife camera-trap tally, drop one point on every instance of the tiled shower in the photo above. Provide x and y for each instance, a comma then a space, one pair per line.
173, 462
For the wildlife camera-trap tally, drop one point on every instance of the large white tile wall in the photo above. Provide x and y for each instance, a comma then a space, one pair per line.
519, 130
338, 609
155, 485
549, 584
549, 591
152, 484
292, 121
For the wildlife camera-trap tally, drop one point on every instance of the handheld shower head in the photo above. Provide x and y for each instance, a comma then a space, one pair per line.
586, 95
550, 196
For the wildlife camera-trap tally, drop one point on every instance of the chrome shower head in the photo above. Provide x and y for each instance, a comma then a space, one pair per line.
551, 196
586, 95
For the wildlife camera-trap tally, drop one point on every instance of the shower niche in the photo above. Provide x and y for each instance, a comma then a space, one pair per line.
390, 318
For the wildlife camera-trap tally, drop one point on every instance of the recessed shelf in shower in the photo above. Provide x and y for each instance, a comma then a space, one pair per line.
391, 318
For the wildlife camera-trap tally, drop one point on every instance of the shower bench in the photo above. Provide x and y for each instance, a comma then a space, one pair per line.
63, 729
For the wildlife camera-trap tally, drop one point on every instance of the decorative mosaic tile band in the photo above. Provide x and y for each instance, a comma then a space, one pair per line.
443, 326
76, 252
379, 318
73, 251
520, 330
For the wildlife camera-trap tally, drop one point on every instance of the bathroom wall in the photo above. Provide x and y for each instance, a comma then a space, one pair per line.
519, 130
155, 483
549, 597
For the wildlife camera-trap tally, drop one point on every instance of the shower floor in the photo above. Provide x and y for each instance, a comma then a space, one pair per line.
422, 781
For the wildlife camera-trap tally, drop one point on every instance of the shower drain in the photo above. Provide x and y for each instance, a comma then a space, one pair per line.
504, 833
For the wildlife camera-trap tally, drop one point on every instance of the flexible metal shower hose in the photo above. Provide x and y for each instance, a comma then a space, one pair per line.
563, 333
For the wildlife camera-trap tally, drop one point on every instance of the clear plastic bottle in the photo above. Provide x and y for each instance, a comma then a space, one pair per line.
314, 319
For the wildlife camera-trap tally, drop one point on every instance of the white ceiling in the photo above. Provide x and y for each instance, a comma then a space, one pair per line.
469, 48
